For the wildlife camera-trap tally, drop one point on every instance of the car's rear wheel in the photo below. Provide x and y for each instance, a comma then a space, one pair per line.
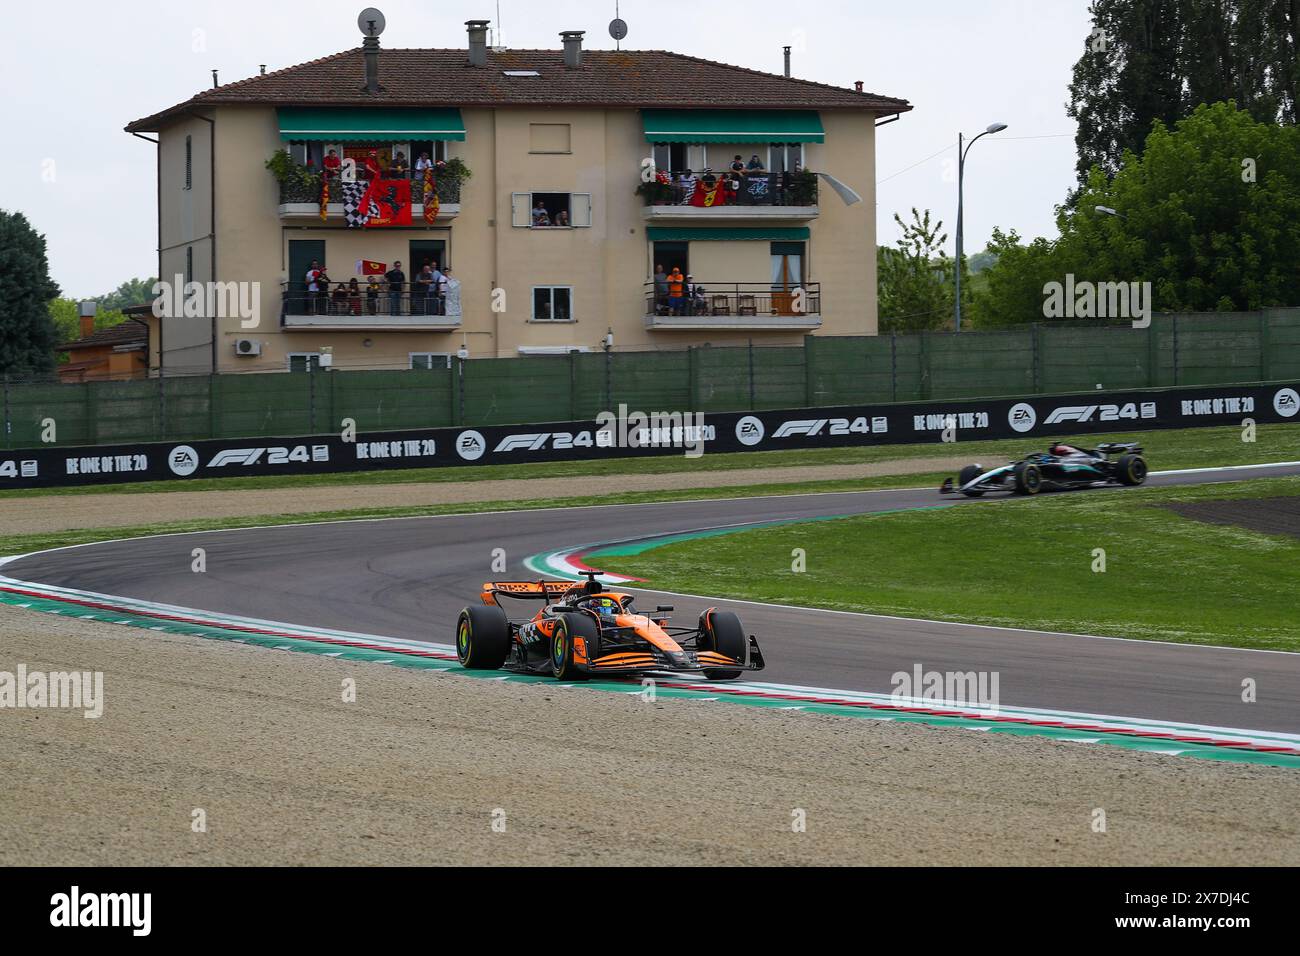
482, 637
966, 476
567, 628
1029, 478
1131, 469
721, 631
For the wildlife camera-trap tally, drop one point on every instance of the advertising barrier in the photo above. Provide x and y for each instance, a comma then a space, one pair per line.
632, 434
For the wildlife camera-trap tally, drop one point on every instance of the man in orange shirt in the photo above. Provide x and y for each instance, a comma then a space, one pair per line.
676, 291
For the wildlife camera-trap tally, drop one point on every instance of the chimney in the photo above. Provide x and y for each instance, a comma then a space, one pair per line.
214, 79
370, 47
261, 69
87, 310
477, 42
857, 85
787, 62
572, 48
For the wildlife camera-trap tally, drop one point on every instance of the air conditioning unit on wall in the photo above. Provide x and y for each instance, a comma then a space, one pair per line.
248, 347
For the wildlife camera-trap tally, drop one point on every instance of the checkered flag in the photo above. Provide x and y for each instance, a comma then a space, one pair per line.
354, 194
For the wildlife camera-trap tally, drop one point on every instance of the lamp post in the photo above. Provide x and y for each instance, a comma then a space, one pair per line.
962, 150
1107, 211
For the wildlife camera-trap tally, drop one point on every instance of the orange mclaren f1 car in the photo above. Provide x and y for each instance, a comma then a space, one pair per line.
583, 629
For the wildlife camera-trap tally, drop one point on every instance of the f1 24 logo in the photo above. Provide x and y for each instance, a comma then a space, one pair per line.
1101, 413
274, 456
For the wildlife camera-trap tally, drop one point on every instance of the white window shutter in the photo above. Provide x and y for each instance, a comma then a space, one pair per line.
580, 209
521, 205
697, 157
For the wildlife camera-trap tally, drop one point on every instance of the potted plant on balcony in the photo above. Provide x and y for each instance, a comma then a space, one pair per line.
803, 188
657, 191
296, 181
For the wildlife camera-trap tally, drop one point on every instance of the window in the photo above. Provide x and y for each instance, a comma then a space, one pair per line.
189, 162
550, 210
430, 360
549, 138
552, 303
303, 361
783, 157
787, 264
189, 264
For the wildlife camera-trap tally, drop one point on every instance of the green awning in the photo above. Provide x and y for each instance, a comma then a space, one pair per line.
337, 125
733, 126
701, 233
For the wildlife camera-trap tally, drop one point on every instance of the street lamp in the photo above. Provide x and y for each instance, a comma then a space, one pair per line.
962, 150
1107, 211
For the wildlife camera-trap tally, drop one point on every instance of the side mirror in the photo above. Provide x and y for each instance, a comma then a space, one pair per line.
663, 608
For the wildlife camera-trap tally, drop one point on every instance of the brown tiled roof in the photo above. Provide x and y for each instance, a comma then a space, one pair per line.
130, 332
607, 78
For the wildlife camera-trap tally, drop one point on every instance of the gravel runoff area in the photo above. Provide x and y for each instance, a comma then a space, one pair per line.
50, 513
1266, 515
416, 770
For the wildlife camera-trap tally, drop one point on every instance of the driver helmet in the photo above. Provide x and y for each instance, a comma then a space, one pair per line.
606, 607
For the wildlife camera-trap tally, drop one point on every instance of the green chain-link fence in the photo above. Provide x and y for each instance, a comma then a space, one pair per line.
1175, 350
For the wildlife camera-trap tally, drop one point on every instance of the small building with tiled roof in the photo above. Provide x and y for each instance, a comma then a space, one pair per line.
566, 189
117, 353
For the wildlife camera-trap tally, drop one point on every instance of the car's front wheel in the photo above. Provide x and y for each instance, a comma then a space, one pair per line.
1029, 478
722, 632
567, 628
966, 476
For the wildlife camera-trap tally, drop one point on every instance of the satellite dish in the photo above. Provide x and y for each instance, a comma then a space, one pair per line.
371, 22
617, 28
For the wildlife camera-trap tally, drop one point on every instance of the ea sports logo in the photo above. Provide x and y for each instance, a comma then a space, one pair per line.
470, 445
183, 460
749, 431
1287, 403
1022, 417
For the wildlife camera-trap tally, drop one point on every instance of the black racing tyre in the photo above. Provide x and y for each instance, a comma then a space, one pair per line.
967, 475
568, 627
482, 637
721, 631
1131, 469
1029, 478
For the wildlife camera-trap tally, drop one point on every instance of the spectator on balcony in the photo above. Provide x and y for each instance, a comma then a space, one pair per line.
372, 296
398, 167
322, 292
423, 163
373, 169
694, 297
312, 280
676, 292
450, 293
331, 164
341, 298
661, 290
396, 283
420, 290
686, 186
540, 216
562, 218
354, 296
755, 164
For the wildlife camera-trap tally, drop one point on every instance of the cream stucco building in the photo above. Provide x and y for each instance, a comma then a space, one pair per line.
780, 248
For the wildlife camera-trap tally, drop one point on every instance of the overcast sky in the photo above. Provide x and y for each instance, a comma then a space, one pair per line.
73, 80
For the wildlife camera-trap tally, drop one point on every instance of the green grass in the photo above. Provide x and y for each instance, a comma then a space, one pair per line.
1020, 564
13, 544
1166, 449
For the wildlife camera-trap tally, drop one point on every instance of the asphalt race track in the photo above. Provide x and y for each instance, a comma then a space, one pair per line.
409, 577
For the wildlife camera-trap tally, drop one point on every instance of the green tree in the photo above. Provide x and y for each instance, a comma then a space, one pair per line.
1211, 219
915, 278
1148, 61
66, 314
129, 293
27, 334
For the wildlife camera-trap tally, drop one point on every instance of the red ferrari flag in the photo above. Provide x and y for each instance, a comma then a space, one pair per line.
369, 267
390, 202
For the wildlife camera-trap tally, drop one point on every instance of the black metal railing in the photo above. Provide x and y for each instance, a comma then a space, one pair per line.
306, 188
710, 189
340, 300
733, 299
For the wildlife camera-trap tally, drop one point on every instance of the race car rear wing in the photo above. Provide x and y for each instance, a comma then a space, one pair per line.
536, 590
1111, 447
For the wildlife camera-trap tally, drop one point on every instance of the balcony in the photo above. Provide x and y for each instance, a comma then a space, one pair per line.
751, 306
405, 311
721, 196
300, 199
